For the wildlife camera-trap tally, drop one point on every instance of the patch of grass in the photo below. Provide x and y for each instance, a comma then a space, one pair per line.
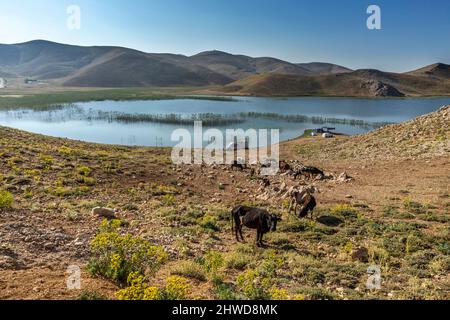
237, 261
312, 293
225, 291
441, 218
189, 269
296, 225
163, 190
414, 207
345, 211
209, 222
91, 295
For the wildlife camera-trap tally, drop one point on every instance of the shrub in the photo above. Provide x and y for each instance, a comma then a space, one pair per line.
237, 261
279, 294
84, 171
86, 180
379, 256
47, 161
413, 206
209, 222
189, 269
6, 199
213, 261
60, 191
117, 256
345, 211
254, 285
316, 293
91, 295
138, 289
225, 291
271, 263
168, 200
66, 151
440, 265
163, 190
176, 288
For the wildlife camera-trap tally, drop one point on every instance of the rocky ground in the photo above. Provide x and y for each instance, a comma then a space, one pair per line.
386, 193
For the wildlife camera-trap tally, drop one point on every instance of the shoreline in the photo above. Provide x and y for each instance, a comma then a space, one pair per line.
29, 97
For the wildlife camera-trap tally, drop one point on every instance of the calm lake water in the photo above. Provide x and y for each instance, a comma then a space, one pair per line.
81, 121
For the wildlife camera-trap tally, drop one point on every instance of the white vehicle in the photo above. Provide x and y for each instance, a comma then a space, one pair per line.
327, 135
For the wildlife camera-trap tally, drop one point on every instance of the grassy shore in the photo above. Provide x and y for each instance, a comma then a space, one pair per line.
32, 99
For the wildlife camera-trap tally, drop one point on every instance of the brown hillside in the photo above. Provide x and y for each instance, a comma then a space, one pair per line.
422, 138
371, 83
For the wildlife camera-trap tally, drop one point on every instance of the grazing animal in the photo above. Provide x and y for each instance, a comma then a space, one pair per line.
310, 172
284, 167
253, 218
305, 200
109, 214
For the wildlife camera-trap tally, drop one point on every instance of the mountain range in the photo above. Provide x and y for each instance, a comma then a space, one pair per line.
77, 66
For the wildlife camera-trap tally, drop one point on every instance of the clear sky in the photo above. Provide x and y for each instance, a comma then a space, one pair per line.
414, 32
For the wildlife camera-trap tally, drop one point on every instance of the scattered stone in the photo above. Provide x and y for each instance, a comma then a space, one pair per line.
344, 177
106, 213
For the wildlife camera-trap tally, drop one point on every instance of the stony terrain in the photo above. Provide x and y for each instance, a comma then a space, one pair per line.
384, 200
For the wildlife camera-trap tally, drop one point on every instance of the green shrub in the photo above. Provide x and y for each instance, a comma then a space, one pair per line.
168, 200
176, 288
345, 211
189, 269
116, 256
316, 293
6, 199
225, 291
213, 261
84, 171
253, 285
47, 161
209, 222
414, 206
91, 295
237, 261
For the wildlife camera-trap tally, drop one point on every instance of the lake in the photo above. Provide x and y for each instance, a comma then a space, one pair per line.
148, 123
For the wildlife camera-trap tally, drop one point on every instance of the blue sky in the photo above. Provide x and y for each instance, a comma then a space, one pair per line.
414, 32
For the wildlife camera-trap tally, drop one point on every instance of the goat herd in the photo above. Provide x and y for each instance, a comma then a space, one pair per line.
302, 202
262, 220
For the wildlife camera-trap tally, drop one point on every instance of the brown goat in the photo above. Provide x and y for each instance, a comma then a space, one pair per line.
305, 200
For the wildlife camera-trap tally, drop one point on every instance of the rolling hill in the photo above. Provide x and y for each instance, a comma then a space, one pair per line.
77, 66
431, 80
122, 67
